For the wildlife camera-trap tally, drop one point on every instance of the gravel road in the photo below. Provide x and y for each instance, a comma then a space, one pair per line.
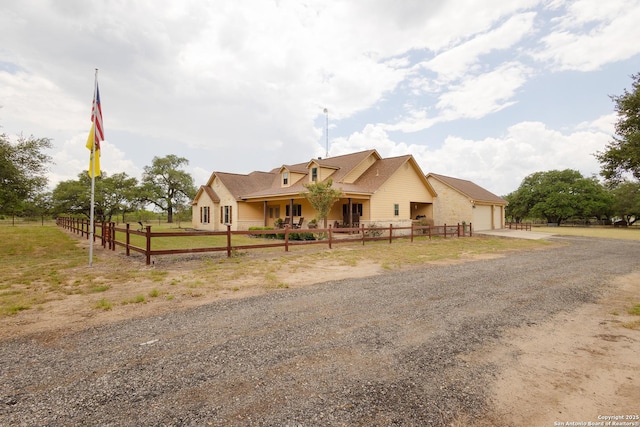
393, 349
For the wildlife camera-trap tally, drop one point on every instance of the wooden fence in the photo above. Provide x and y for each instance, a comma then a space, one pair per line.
107, 232
519, 226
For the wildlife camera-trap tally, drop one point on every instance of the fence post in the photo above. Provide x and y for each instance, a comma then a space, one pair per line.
148, 245
470, 231
411, 231
390, 232
127, 240
113, 236
458, 229
228, 240
102, 236
286, 238
445, 231
330, 235
362, 227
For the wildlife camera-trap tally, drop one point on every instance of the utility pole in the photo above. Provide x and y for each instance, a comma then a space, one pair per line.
326, 133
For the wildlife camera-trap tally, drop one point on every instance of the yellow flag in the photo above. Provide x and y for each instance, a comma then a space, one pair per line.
94, 166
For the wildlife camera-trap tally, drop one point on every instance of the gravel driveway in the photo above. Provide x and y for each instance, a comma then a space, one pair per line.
393, 349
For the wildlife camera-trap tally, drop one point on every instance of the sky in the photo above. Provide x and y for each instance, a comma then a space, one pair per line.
487, 91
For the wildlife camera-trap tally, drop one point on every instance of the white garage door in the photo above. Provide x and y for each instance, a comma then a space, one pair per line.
482, 218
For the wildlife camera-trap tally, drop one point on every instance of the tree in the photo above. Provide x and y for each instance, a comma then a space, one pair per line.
113, 195
165, 185
622, 155
626, 203
22, 171
120, 194
321, 197
559, 195
517, 209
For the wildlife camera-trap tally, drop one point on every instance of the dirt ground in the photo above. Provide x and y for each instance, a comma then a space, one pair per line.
577, 367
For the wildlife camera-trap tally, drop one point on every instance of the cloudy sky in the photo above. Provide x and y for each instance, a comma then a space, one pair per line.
489, 91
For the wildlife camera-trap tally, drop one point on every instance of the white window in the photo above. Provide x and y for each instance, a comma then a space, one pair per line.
225, 215
205, 214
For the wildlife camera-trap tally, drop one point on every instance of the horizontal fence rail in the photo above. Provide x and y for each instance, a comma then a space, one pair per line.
140, 238
519, 226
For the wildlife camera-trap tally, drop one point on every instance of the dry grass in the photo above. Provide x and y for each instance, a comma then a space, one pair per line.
45, 263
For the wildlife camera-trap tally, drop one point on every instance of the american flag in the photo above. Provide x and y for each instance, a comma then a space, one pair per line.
96, 118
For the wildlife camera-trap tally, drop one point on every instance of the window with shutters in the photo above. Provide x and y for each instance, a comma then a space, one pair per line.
205, 214
225, 215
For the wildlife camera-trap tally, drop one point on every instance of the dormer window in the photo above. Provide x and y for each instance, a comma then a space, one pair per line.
285, 178
314, 174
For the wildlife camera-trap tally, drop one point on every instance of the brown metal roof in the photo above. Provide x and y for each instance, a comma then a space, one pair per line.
469, 189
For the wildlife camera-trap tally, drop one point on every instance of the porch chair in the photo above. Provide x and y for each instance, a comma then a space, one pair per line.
299, 224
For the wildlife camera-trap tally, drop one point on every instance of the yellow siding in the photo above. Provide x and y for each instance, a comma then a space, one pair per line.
294, 177
323, 174
403, 188
226, 199
203, 201
351, 177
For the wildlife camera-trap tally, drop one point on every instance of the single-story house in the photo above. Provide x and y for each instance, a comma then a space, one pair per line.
374, 191
461, 201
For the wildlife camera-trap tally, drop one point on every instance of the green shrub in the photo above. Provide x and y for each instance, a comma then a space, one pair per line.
301, 236
264, 236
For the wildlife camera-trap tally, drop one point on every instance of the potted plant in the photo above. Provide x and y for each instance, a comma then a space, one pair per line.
312, 224
278, 223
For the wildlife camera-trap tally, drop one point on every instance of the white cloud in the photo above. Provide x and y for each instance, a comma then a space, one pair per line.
73, 158
458, 62
243, 86
484, 94
475, 97
500, 163
591, 34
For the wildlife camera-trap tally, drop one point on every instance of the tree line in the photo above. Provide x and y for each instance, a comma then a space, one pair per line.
165, 185
560, 195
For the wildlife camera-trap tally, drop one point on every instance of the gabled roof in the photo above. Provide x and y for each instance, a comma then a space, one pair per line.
373, 169
469, 189
346, 163
342, 165
383, 169
208, 191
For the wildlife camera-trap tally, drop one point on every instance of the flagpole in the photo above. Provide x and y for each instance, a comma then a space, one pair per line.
93, 177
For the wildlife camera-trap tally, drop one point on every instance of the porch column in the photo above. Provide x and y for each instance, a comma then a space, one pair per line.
350, 213
265, 213
291, 211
